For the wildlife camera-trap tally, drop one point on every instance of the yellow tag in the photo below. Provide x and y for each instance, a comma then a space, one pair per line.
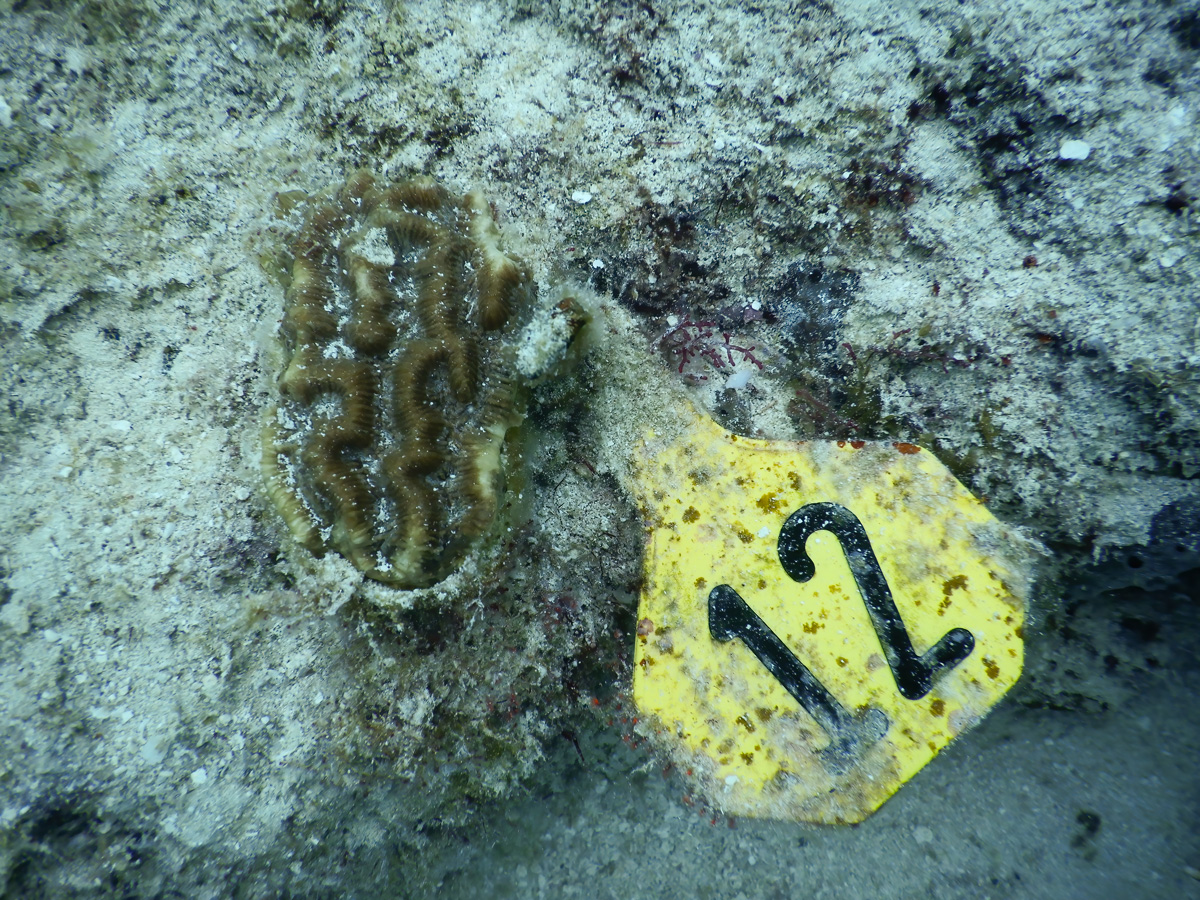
817, 619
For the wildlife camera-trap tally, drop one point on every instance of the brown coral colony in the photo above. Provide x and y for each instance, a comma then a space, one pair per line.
400, 382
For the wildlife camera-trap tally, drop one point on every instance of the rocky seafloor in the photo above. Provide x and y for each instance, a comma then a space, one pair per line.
973, 229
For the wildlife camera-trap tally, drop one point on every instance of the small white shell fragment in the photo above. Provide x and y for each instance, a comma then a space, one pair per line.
581, 196
152, 750
737, 380
1074, 149
1171, 256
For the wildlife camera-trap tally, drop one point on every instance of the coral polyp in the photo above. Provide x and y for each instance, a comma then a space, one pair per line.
401, 329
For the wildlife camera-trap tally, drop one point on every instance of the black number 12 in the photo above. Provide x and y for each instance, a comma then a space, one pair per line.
729, 617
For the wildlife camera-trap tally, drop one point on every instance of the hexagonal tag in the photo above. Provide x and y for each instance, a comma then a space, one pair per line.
818, 619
